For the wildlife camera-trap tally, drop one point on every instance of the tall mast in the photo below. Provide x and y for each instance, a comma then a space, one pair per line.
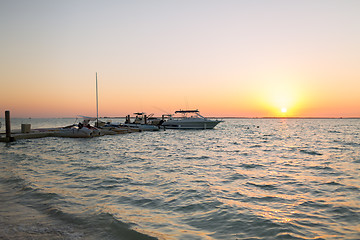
97, 104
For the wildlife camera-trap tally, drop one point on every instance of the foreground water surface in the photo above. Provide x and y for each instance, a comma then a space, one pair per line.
245, 179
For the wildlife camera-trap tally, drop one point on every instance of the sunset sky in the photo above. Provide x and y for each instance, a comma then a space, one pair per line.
240, 58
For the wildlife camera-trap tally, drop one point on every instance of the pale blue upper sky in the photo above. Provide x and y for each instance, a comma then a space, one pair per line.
210, 45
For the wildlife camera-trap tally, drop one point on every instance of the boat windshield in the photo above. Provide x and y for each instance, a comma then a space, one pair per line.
189, 114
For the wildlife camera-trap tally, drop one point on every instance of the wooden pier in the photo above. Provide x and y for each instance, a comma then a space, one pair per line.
18, 135
27, 133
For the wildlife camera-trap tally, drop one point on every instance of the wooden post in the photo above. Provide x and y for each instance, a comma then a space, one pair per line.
8, 127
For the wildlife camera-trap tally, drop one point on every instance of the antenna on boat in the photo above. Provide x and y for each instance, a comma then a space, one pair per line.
186, 103
97, 104
162, 110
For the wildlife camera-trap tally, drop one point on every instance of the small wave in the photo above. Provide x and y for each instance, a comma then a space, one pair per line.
353, 144
267, 199
194, 207
334, 131
310, 152
32, 192
317, 204
236, 176
244, 165
161, 148
308, 223
108, 186
256, 146
332, 183
46, 196
12, 181
338, 148
262, 228
108, 225
59, 214
327, 168
285, 235
263, 186
94, 168
350, 189
201, 157
147, 203
346, 214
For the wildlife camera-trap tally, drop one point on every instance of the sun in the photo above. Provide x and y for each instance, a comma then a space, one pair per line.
281, 96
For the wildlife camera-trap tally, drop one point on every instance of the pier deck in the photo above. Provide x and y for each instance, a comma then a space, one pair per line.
18, 135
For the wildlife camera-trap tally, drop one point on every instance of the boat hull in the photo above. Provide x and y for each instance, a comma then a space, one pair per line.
142, 127
76, 133
190, 124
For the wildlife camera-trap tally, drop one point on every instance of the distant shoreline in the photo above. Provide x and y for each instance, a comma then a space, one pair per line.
106, 117
268, 117
288, 117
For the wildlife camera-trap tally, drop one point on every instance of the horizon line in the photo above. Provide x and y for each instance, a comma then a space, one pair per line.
227, 117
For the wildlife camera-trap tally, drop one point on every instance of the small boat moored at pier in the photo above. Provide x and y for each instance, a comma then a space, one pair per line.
80, 130
140, 123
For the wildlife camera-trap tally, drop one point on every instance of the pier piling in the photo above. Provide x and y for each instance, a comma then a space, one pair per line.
8, 127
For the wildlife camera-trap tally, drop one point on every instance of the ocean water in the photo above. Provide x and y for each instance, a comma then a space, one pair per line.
245, 179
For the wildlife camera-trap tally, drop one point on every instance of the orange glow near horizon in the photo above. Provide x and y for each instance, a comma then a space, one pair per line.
253, 104
276, 100
280, 97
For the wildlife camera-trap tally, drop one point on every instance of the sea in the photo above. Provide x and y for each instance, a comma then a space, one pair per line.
244, 179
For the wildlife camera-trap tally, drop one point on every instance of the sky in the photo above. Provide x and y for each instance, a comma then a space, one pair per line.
258, 58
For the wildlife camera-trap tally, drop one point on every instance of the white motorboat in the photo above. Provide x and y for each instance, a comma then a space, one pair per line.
140, 123
190, 119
